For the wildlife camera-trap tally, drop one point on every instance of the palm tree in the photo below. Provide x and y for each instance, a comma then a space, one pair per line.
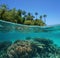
32, 16
23, 13
3, 6
29, 16
41, 17
36, 14
45, 17
25, 16
19, 12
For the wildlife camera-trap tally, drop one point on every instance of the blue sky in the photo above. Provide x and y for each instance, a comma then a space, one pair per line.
49, 7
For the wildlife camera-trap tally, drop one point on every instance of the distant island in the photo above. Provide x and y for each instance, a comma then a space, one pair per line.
21, 17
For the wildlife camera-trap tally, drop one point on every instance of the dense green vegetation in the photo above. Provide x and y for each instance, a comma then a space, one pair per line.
20, 16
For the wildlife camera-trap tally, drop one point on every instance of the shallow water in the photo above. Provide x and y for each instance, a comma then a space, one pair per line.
12, 31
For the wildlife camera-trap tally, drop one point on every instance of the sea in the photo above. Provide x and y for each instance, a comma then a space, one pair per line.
13, 31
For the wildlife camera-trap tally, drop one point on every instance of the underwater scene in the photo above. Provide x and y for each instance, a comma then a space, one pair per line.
24, 41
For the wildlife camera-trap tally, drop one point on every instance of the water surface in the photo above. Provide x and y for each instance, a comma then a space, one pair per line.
12, 31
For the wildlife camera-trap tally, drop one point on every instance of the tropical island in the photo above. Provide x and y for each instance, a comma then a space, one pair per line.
21, 17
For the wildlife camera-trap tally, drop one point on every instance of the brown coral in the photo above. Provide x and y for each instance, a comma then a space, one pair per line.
20, 49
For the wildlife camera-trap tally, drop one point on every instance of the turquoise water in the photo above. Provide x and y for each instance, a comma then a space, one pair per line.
12, 31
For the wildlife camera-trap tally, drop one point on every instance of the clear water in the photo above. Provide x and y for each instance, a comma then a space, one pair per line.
12, 31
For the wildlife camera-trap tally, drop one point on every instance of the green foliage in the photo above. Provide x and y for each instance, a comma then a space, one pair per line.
39, 22
29, 18
20, 20
28, 22
19, 12
19, 16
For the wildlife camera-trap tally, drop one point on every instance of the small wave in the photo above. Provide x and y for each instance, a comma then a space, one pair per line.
20, 27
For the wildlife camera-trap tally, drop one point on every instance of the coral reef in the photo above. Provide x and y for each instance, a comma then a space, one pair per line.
21, 49
3, 48
37, 48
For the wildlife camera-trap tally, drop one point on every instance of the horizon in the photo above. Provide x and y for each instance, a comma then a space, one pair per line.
50, 8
